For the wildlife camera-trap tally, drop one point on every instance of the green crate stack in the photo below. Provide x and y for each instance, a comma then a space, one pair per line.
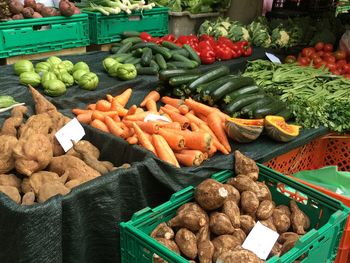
37, 35
108, 29
327, 215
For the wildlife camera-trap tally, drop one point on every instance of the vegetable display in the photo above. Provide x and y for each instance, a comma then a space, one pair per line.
45, 168
194, 7
15, 10
214, 226
313, 95
110, 7
55, 75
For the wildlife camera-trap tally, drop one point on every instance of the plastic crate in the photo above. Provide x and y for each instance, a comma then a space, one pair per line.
108, 29
320, 244
37, 35
328, 150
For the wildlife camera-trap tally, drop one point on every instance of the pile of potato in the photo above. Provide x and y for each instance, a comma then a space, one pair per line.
213, 228
29, 149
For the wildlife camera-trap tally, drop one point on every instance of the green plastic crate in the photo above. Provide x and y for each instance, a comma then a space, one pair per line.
31, 36
108, 29
327, 215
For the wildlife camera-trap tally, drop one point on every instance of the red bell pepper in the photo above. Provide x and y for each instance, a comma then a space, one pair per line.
247, 51
223, 52
145, 36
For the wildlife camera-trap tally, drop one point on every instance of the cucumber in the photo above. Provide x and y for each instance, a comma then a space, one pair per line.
142, 45
170, 65
209, 76
270, 109
146, 56
179, 80
160, 61
189, 65
133, 61
285, 113
242, 101
165, 75
193, 54
154, 64
181, 58
207, 88
182, 52
137, 52
248, 110
121, 57
170, 45
117, 44
177, 92
245, 90
124, 48
130, 34
114, 50
231, 86
159, 50
146, 71
133, 40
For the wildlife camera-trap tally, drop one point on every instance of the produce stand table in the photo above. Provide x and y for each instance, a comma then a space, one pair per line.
83, 226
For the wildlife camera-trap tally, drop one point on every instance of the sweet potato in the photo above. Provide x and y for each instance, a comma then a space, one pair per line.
281, 221
265, 209
94, 163
287, 235
110, 166
36, 180
288, 245
32, 154
191, 220
269, 223
10, 125
233, 193
51, 189
264, 192
223, 244
247, 223
162, 231
220, 224
297, 218
238, 256
7, 161
25, 186
276, 250
84, 146
210, 194
28, 198
11, 192
239, 233
249, 202
10, 180
285, 209
41, 103
169, 244
36, 124
205, 246
231, 209
245, 165
243, 183
187, 243
190, 206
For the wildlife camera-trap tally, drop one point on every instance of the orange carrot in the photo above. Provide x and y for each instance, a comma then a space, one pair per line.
212, 151
77, 111
194, 127
199, 155
164, 151
114, 128
103, 105
216, 142
143, 139
151, 105
84, 117
200, 108
189, 158
137, 116
193, 118
170, 125
124, 97
172, 108
98, 124
109, 97
100, 115
183, 109
177, 117
116, 106
214, 123
116, 118
138, 110
132, 110
132, 140
175, 141
172, 101
91, 106
153, 95
202, 117
149, 127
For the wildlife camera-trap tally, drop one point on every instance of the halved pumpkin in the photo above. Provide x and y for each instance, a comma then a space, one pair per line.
244, 130
277, 128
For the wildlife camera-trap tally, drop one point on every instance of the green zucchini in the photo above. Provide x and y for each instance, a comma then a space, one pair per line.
124, 48
165, 75
177, 92
250, 89
270, 109
130, 34
242, 101
160, 61
181, 58
192, 53
189, 65
170, 65
182, 52
170, 45
146, 71
285, 113
207, 88
133, 40
209, 76
121, 57
159, 50
230, 86
154, 64
142, 45
146, 56
179, 80
248, 110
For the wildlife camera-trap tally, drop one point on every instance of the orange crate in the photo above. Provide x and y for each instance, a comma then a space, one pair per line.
331, 149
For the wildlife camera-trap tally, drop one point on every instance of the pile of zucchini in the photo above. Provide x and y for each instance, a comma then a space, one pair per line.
234, 94
149, 57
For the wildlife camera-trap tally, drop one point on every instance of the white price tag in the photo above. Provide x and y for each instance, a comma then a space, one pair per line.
273, 58
261, 240
339, 191
72, 131
11, 107
155, 117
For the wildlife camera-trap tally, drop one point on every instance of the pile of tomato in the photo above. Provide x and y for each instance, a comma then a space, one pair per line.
322, 55
207, 48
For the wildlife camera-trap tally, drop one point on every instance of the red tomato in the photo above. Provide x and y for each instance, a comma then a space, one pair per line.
313, 56
336, 72
320, 53
346, 69
331, 66
329, 59
290, 59
317, 60
303, 61
328, 47
341, 62
347, 76
308, 51
319, 46
340, 54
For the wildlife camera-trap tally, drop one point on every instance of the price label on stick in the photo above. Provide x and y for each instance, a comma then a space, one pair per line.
72, 131
261, 240
155, 117
273, 58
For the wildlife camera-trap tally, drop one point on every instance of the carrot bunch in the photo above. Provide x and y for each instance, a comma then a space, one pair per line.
190, 133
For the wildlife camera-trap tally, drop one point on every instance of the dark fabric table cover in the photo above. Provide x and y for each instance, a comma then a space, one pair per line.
83, 226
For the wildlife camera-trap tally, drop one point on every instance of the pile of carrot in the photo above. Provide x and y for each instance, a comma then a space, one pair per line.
193, 133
